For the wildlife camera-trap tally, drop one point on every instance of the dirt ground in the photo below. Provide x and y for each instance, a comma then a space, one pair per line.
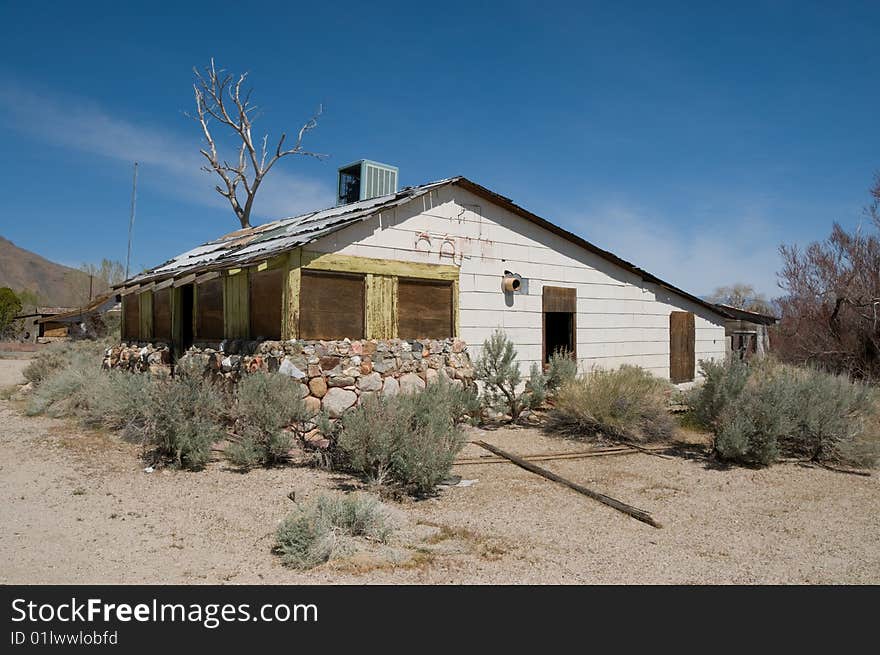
77, 507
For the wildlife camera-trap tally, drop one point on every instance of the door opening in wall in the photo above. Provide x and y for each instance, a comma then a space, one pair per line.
560, 321
558, 333
186, 318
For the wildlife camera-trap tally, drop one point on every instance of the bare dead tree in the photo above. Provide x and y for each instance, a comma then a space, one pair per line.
831, 310
220, 99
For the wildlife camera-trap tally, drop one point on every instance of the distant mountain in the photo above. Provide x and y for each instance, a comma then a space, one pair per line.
54, 284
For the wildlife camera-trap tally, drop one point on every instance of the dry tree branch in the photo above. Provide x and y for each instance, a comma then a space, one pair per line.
214, 91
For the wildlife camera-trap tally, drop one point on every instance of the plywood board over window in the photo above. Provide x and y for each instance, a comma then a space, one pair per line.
424, 309
162, 315
265, 303
209, 310
682, 342
131, 318
331, 306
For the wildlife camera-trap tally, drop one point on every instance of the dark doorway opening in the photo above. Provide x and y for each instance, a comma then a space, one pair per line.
558, 333
186, 317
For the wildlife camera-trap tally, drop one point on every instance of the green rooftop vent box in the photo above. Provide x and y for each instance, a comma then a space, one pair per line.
365, 179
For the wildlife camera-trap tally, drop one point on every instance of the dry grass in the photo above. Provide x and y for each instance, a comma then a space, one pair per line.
786, 524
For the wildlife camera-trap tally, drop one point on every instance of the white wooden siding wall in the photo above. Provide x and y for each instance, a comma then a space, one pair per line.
621, 319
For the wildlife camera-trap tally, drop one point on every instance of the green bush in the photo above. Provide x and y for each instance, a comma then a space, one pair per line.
183, 418
627, 404
317, 531
762, 410
562, 368
722, 385
410, 440
497, 368
267, 407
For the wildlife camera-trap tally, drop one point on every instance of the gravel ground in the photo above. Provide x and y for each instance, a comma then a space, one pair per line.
76, 507
10, 371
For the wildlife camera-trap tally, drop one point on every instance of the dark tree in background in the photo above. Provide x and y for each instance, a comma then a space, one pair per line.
10, 306
831, 307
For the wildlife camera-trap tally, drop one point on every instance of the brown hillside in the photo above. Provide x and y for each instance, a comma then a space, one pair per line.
55, 284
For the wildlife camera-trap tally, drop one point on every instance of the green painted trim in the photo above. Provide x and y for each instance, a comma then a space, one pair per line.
236, 318
145, 309
290, 295
351, 264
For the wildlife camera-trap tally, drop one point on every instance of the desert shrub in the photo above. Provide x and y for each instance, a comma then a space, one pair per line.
723, 382
747, 429
58, 356
627, 403
410, 440
266, 406
764, 409
114, 399
57, 393
561, 368
183, 418
498, 369
536, 387
320, 528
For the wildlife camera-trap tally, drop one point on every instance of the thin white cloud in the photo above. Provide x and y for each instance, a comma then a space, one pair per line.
698, 257
173, 161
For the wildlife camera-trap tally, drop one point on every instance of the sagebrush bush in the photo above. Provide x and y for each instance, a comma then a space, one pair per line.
410, 440
267, 407
561, 368
114, 399
61, 355
764, 409
183, 417
317, 531
627, 403
498, 369
57, 393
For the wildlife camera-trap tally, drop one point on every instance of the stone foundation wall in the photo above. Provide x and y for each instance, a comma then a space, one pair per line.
335, 375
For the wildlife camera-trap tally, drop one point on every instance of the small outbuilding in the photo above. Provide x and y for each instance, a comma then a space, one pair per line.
445, 259
748, 331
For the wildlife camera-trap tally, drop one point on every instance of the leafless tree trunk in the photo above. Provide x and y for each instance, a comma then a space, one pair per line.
221, 99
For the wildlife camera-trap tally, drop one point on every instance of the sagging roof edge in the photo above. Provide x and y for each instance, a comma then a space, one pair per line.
511, 206
479, 190
748, 316
99, 304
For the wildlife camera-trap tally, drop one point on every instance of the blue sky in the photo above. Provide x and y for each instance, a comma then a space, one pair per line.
690, 140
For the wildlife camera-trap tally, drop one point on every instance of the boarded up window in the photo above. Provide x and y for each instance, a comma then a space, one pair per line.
331, 306
131, 317
559, 299
682, 342
424, 309
265, 303
162, 315
209, 310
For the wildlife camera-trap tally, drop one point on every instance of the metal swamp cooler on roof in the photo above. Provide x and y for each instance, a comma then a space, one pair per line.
365, 179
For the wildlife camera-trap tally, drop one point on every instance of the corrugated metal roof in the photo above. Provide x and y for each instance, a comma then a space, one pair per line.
264, 241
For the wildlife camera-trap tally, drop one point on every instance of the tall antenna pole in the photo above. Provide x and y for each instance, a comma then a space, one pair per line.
134, 186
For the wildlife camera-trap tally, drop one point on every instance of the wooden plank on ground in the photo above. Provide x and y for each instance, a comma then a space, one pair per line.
635, 512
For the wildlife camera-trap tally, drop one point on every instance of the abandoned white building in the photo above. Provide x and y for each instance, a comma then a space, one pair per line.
445, 259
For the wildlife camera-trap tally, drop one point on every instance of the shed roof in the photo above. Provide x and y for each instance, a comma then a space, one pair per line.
748, 316
258, 243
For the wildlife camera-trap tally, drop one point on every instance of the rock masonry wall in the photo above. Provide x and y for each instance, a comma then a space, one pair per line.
335, 375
